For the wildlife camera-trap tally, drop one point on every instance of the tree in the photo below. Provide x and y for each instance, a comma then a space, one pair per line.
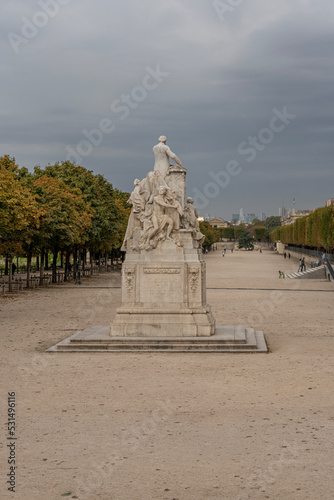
67, 216
124, 209
246, 241
238, 230
211, 234
228, 232
260, 233
110, 210
19, 212
255, 221
271, 222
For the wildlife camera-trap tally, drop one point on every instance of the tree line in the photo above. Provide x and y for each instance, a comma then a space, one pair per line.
315, 230
62, 208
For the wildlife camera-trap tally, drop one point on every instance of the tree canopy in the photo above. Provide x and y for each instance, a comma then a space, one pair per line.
246, 241
211, 234
315, 230
260, 233
271, 222
58, 207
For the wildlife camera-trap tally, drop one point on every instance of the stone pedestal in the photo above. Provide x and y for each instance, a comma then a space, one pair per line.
176, 180
164, 292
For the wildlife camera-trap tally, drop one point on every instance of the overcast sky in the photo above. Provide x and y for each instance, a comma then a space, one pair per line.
243, 90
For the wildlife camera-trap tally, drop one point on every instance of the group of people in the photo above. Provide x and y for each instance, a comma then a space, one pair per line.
289, 255
302, 265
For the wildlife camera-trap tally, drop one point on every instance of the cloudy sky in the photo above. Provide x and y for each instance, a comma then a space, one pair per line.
243, 90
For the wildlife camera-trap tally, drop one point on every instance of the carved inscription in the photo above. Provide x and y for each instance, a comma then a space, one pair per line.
161, 285
161, 271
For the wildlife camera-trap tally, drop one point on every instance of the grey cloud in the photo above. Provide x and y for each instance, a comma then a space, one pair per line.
225, 79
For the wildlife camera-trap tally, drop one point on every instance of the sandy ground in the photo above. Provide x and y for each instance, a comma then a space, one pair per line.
174, 426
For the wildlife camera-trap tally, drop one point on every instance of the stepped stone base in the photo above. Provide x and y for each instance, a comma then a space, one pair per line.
226, 339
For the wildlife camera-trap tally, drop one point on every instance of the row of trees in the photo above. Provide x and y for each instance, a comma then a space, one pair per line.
213, 235
233, 233
61, 208
238, 233
314, 230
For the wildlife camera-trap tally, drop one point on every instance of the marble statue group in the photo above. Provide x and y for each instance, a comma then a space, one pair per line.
158, 204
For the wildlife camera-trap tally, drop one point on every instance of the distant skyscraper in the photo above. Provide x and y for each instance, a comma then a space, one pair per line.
241, 215
250, 218
235, 217
263, 216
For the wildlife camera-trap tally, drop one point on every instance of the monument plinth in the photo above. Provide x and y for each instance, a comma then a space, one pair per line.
164, 292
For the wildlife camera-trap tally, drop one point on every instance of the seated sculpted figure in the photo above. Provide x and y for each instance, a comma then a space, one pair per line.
161, 219
190, 221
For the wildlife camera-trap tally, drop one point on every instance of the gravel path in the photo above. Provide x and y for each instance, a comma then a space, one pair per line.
183, 427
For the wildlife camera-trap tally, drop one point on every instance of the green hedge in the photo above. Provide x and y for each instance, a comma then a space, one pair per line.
314, 230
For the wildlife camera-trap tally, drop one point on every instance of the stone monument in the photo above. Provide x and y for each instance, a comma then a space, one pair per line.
164, 304
163, 275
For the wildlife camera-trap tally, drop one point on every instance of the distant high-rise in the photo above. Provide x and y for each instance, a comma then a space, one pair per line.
250, 218
235, 217
241, 215
263, 216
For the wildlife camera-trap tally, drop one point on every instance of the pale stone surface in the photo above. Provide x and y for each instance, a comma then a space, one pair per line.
227, 339
187, 422
163, 284
162, 153
164, 292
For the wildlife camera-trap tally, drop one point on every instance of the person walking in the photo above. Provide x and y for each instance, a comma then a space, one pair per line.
285, 255
303, 265
289, 255
223, 253
300, 265
13, 268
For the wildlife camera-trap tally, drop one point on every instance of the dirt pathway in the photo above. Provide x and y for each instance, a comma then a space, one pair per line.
166, 426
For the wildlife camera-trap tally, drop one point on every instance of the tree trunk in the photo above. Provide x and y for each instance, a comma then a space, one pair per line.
37, 263
83, 260
67, 264
29, 255
62, 260
54, 266
6, 267
75, 261
10, 279
47, 260
91, 261
41, 269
